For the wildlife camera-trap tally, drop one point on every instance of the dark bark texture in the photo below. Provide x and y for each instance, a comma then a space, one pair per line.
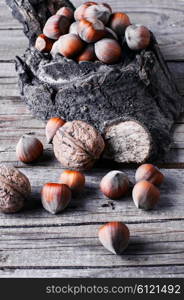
139, 88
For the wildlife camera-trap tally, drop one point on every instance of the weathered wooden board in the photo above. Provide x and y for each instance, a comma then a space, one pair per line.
100, 272
88, 207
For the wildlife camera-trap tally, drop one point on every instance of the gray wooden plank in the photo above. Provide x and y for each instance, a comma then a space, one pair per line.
91, 206
117, 272
66, 247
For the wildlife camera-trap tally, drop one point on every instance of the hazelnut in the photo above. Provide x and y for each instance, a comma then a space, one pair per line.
79, 12
74, 28
101, 12
88, 54
55, 197
66, 11
77, 145
137, 37
56, 26
114, 236
114, 184
43, 43
91, 30
52, 126
75, 180
70, 45
150, 173
145, 195
14, 189
110, 34
28, 149
55, 48
118, 22
108, 51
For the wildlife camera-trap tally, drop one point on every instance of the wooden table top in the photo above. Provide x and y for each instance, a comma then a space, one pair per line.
34, 243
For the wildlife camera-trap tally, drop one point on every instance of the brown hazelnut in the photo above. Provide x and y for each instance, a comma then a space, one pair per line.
56, 26
43, 43
77, 145
145, 195
137, 37
15, 188
150, 173
66, 11
70, 45
88, 54
75, 180
108, 51
74, 28
79, 12
110, 34
55, 197
114, 236
101, 12
52, 126
91, 30
118, 22
29, 149
114, 184
55, 48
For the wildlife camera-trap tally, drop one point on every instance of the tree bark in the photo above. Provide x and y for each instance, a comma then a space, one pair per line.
134, 103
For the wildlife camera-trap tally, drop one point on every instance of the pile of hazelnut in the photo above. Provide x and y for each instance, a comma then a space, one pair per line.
91, 32
15, 186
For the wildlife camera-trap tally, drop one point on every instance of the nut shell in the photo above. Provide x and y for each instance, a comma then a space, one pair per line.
137, 37
145, 195
66, 11
118, 22
75, 180
80, 11
55, 197
77, 145
101, 12
91, 30
56, 26
108, 51
14, 189
70, 45
114, 184
52, 126
29, 149
150, 173
114, 236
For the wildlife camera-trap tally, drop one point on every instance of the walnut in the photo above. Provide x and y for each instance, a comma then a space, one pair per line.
14, 189
77, 145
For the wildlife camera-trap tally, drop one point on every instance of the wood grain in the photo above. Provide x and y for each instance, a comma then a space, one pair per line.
36, 244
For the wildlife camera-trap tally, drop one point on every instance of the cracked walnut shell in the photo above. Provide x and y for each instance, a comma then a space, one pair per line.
77, 145
14, 189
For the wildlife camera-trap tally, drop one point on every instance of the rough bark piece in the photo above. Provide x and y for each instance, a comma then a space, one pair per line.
139, 88
126, 135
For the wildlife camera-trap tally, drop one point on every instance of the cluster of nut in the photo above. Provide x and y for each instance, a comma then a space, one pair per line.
91, 32
83, 145
145, 193
114, 236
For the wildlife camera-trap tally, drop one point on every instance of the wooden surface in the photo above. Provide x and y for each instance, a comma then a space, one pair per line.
34, 243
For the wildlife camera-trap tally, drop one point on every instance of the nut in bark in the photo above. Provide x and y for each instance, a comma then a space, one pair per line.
77, 145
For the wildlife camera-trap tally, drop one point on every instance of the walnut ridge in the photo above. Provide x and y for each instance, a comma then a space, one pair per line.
14, 189
77, 145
